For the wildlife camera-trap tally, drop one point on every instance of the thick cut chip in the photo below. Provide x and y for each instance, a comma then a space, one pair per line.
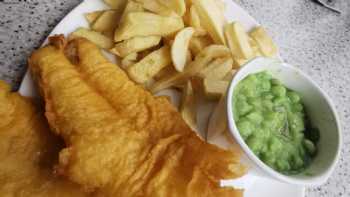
218, 119
238, 62
92, 16
179, 6
214, 89
212, 19
95, 37
135, 44
120, 139
106, 22
143, 54
188, 56
149, 66
194, 21
255, 47
217, 69
132, 6
179, 48
238, 41
156, 7
202, 59
188, 108
197, 44
230, 75
194, 17
168, 40
129, 60
264, 42
117, 5
165, 72
186, 18
147, 24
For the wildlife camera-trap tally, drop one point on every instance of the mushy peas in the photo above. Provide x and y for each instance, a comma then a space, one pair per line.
272, 121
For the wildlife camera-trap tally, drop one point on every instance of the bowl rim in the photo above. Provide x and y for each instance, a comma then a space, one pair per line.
314, 179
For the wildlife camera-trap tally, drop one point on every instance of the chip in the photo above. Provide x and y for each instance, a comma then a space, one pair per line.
264, 42
156, 7
129, 60
131, 6
218, 119
201, 60
188, 107
214, 89
147, 24
212, 19
95, 37
238, 41
106, 22
92, 16
198, 43
135, 44
179, 6
117, 5
217, 69
179, 48
148, 67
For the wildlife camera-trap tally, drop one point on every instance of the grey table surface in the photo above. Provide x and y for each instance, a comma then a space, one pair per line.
309, 36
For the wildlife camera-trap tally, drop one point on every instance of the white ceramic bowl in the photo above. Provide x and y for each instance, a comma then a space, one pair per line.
320, 110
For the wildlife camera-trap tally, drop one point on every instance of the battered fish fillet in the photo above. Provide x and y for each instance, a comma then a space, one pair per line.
121, 140
28, 151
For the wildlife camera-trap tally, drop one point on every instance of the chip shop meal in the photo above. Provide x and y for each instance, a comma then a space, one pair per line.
121, 140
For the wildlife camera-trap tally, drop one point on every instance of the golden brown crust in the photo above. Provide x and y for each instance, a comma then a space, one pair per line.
28, 151
121, 139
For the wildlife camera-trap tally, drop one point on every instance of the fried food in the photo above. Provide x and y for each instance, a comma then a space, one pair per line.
28, 151
135, 44
217, 69
188, 108
121, 140
117, 5
131, 6
238, 41
197, 44
202, 59
179, 6
147, 24
92, 16
157, 7
129, 60
212, 19
179, 48
94, 36
149, 66
106, 22
264, 42
214, 89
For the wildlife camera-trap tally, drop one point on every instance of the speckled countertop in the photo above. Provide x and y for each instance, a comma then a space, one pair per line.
309, 36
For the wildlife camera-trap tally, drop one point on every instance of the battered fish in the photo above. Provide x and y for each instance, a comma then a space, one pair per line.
121, 140
28, 151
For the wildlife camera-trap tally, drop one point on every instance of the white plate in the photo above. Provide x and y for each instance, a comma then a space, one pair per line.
258, 187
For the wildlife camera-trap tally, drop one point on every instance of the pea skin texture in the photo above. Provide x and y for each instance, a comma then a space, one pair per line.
272, 121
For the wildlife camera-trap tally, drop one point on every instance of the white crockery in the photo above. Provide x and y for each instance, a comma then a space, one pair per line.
319, 108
